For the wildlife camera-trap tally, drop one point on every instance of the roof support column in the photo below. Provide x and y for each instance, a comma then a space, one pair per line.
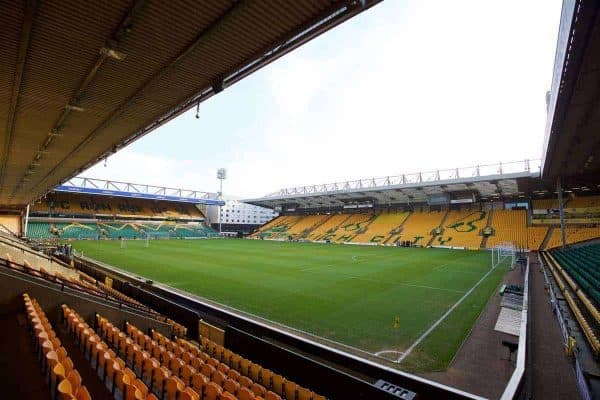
561, 213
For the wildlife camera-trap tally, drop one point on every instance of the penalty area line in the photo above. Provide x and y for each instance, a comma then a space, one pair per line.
443, 317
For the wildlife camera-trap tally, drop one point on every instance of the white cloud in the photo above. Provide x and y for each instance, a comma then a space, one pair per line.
407, 86
130, 166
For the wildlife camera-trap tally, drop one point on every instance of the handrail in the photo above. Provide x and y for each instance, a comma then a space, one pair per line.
32, 272
516, 378
23, 246
585, 326
575, 287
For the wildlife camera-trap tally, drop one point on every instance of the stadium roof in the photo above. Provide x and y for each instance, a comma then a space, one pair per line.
103, 187
572, 143
83, 79
496, 181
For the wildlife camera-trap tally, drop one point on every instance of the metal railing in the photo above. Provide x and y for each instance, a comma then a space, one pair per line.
63, 283
136, 188
525, 166
516, 379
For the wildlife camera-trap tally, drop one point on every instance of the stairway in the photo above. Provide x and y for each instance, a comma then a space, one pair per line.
442, 223
88, 376
490, 220
305, 233
401, 226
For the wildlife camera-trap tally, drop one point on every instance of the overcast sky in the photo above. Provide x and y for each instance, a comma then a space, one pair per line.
404, 87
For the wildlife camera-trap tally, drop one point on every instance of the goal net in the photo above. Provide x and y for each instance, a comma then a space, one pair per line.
503, 253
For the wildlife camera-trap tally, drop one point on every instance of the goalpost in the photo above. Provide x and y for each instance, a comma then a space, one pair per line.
502, 252
123, 243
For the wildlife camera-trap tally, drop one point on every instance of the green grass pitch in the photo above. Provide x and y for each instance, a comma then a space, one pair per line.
346, 293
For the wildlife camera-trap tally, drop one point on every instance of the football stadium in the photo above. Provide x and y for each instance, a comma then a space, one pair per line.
461, 283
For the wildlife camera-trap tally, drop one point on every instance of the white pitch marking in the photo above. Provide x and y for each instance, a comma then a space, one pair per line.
403, 284
393, 352
442, 318
314, 267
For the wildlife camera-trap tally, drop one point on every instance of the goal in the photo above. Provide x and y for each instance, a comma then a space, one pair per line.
502, 252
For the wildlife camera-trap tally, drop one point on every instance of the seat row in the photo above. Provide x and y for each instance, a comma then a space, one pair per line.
123, 383
157, 363
247, 373
164, 379
188, 364
60, 374
87, 280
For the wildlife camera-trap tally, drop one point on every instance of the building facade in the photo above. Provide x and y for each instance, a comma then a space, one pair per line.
239, 218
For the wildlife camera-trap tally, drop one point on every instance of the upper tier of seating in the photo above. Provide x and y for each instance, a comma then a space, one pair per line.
80, 205
584, 202
569, 203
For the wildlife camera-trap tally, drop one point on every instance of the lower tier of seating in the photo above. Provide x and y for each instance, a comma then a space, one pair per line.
583, 264
112, 230
577, 300
61, 375
468, 228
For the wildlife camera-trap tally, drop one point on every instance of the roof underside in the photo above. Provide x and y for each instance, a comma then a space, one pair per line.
82, 79
490, 187
572, 145
507, 187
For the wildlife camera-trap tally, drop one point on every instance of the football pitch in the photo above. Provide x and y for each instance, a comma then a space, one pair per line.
413, 305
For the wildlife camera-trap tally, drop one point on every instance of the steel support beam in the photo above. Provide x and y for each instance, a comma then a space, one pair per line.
104, 54
561, 213
26, 28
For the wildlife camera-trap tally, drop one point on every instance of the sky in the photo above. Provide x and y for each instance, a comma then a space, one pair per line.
406, 86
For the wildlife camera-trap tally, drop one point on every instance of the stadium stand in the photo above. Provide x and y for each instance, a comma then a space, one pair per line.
455, 228
509, 226
39, 230
64, 379
279, 227
577, 299
304, 226
12, 223
419, 227
584, 202
129, 230
174, 369
114, 231
382, 227
462, 228
582, 264
573, 235
79, 205
543, 204
193, 231
351, 227
328, 229
536, 236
